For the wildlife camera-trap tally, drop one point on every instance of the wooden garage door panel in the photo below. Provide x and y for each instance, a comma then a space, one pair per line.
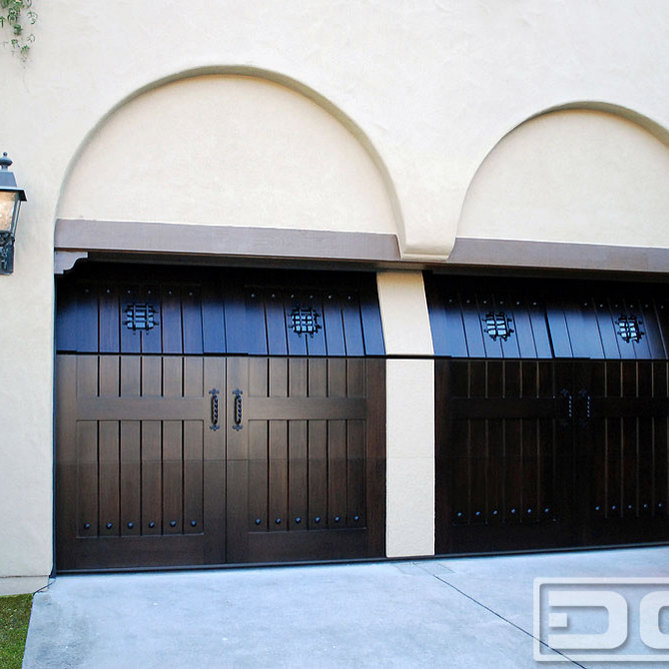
302, 467
127, 471
501, 468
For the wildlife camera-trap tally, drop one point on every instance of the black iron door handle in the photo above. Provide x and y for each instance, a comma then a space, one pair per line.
565, 394
585, 395
237, 411
214, 410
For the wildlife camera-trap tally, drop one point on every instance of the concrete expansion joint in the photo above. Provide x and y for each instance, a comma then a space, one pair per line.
504, 619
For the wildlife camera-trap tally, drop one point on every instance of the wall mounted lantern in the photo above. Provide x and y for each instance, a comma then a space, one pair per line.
10, 203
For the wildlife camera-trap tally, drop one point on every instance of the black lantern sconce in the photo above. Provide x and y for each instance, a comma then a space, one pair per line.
10, 203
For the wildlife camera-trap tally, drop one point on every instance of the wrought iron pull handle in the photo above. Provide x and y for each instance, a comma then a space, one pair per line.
237, 411
214, 410
570, 402
588, 403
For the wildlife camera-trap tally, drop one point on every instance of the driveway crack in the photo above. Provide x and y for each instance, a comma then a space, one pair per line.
506, 620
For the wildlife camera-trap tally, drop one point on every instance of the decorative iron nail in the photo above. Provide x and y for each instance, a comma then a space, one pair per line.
337, 519
546, 510
173, 523
131, 525
629, 506
356, 518
87, 526
278, 521
109, 526
258, 521
478, 513
193, 523
613, 507
529, 511
645, 506
317, 519
298, 520
513, 511
597, 508
152, 524
459, 514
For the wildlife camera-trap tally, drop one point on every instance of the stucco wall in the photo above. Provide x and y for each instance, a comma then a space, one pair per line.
432, 88
228, 150
573, 176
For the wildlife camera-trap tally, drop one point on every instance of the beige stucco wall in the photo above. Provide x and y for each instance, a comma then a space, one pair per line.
573, 176
228, 150
410, 468
429, 88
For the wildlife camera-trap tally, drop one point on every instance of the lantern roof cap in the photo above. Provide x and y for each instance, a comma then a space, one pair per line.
7, 179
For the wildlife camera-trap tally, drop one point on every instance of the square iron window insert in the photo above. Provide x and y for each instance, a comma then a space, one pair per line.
304, 321
139, 317
628, 328
497, 326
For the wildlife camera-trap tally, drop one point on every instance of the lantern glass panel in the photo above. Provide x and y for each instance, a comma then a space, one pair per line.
7, 202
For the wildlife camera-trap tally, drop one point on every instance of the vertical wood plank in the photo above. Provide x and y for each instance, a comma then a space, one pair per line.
87, 479
130, 478
172, 476
355, 378
110, 321
109, 370
278, 475
191, 309
355, 474
172, 327
193, 371
278, 377
298, 510
353, 338
152, 376
151, 477
336, 473
109, 467
130, 376
333, 326
193, 450
318, 474
86, 316
317, 377
297, 377
258, 475
276, 325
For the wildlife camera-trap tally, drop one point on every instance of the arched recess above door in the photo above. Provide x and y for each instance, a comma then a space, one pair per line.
591, 173
254, 166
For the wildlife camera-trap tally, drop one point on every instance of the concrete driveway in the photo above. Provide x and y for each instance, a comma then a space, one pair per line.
465, 612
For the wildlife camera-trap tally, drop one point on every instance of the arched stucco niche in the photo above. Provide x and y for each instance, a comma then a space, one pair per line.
230, 148
596, 175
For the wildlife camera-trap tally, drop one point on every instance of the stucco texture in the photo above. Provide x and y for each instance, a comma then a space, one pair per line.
573, 176
427, 89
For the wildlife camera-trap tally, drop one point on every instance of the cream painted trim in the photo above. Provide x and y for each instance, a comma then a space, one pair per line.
404, 314
558, 255
207, 240
21, 585
410, 466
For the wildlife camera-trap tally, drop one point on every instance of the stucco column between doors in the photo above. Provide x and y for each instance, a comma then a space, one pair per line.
410, 467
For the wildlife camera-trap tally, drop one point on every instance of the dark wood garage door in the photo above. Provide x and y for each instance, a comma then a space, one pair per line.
553, 432
175, 447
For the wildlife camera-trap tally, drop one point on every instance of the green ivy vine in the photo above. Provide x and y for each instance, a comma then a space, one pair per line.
14, 16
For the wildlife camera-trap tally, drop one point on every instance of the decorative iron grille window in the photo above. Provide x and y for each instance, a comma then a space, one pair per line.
304, 321
628, 328
498, 325
139, 317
